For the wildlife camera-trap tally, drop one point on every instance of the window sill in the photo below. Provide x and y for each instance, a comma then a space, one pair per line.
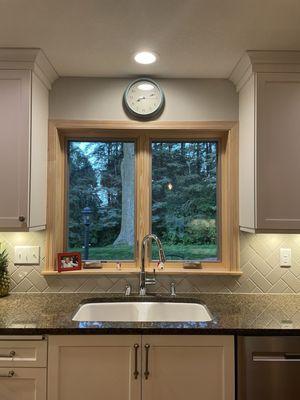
126, 271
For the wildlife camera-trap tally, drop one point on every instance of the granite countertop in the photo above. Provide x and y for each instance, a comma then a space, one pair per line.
253, 314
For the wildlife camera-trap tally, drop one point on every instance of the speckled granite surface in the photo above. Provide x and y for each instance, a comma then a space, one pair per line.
25, 314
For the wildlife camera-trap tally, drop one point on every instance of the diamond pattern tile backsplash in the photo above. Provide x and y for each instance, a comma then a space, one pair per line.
259, 264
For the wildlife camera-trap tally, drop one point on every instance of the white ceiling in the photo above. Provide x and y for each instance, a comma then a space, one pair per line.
194, 38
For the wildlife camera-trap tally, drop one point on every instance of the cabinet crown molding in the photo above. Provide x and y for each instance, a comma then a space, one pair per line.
254, 61
33, 59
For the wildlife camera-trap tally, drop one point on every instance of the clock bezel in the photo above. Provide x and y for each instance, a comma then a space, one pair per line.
156, 113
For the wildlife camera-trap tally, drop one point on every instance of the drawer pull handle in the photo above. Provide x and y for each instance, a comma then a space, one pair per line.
136, 372
9, 375
10, 355
147, 373
278, 357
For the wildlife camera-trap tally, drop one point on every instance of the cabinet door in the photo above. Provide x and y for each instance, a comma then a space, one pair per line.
188, 367
23, 383
278, 150
94, 368
14, 147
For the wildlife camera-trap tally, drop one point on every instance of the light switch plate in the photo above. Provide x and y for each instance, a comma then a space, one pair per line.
25, 255
20, 255
285, 257
33, 254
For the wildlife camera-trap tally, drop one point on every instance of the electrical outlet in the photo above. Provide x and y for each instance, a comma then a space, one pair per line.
25, 255
285, 257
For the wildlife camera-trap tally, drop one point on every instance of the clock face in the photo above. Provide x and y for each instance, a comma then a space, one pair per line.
144, 98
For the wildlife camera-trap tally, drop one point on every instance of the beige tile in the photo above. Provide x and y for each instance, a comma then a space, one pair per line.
279, 287
275, 275
24, 286
261, 281
292, 281
37, 280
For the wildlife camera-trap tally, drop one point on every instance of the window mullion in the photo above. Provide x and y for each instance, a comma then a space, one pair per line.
143, 192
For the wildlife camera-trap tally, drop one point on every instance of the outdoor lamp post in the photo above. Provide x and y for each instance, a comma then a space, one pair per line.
86, 212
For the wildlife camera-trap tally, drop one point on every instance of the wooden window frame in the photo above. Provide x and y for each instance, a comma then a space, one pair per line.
142, 133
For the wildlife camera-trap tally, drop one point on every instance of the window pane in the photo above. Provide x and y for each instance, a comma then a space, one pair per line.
184, 199
101, 193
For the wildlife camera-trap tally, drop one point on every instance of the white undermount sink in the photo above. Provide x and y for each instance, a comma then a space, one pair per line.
143, 312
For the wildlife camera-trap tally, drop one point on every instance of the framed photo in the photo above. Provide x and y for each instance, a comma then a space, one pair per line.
68, 261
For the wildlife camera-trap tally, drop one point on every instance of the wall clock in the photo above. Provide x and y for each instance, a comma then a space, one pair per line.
144, 99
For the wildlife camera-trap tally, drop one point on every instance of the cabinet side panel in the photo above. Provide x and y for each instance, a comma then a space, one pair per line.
39, 144
14, 147
278, 151
247, 155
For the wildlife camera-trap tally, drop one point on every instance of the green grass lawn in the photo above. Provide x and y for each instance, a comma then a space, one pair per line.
172, 251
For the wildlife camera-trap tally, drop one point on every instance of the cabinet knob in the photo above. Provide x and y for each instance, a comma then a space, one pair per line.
10, 374
21, 218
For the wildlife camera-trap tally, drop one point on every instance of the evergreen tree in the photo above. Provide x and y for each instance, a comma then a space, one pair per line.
82, 193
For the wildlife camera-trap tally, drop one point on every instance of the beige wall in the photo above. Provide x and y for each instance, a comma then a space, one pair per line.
186, 99
189, 99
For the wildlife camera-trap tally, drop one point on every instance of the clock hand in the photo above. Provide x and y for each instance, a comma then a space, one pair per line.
145, 98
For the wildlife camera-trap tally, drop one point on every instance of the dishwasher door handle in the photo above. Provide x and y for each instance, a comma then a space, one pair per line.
292, 356
279, 357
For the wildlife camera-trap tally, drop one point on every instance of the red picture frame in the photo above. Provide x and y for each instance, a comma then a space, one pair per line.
69, 261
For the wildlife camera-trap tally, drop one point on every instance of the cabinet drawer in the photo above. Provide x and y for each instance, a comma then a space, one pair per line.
23, 383
29, 353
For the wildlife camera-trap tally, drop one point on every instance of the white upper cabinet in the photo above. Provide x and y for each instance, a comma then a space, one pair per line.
25, 80
269, 140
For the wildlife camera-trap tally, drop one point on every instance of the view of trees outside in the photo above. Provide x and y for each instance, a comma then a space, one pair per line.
101, 177
184, 199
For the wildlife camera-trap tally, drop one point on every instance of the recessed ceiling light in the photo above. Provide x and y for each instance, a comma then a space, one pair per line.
145, 57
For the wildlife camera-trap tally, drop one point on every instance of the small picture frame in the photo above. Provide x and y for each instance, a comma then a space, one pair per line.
68, 261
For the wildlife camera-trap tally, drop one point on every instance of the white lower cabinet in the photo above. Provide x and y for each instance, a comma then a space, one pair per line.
94, 367
23, 383
188, 368
23, 372
155, 367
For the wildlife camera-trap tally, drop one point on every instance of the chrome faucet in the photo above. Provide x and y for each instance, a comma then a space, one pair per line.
144, 281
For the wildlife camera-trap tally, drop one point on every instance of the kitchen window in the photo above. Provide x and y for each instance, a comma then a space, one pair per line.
119, 185
101, 199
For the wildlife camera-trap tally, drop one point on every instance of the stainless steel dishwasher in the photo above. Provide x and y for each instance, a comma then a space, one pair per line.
268, 368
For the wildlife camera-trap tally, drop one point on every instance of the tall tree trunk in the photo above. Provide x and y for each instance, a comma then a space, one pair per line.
126, 235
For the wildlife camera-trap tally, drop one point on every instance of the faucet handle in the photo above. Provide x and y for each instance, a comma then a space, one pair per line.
127, 290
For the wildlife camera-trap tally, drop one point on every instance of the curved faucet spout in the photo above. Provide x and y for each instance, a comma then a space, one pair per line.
162, 258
